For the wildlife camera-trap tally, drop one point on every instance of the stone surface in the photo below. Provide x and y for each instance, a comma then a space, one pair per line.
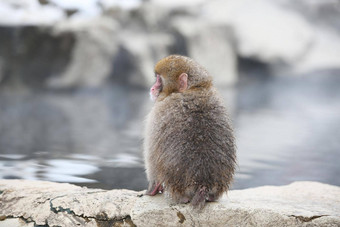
29, 203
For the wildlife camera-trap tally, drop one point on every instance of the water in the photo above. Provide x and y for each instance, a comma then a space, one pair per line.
91, 137
287, 129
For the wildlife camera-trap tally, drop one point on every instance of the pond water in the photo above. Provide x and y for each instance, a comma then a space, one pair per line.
287, 129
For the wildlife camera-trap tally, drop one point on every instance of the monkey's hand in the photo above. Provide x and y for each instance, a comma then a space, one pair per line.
154, 189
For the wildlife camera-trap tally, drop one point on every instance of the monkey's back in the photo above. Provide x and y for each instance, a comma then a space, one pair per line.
190, 143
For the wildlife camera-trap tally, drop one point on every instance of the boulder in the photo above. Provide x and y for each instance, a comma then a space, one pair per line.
292, 37
210, 45
61, 56
30, 55
60, 44
323, 17
32, 203
263, 29
137, 54
92, 56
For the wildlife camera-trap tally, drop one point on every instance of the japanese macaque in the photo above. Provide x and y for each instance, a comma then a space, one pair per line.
189, 146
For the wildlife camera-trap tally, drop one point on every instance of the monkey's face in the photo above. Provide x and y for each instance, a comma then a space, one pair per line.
171, 76
166, 85
156, 89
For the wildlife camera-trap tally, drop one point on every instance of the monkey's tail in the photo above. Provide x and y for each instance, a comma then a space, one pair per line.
199, 199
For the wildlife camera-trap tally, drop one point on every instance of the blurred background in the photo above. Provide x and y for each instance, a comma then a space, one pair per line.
75, 75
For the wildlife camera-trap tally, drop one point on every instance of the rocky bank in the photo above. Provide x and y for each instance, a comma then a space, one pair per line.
57, 44
38, 203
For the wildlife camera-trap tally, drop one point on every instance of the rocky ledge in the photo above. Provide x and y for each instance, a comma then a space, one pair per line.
37, 203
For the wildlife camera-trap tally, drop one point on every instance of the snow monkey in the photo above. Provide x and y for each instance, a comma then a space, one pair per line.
189, 147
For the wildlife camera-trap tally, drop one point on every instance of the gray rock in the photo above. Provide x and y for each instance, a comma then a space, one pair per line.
137, 55
263, 30
209, 44
92, 56
324, 18
69, 54
290, 36
105, 43
158, 15
28, 203
30, 55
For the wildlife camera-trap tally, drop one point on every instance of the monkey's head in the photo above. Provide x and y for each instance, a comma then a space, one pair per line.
177, 73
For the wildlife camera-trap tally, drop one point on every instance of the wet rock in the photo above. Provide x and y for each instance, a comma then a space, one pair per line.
28, 203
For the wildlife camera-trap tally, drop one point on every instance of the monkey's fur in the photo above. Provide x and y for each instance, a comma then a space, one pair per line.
189, 146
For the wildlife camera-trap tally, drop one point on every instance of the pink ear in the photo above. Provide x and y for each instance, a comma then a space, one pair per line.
183, 82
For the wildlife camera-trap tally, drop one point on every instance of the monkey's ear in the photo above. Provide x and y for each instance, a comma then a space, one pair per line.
183, 82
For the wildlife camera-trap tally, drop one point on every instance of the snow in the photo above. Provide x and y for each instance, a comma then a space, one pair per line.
31, 12
124, 4
28, 12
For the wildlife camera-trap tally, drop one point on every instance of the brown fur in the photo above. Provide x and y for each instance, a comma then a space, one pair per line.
189, 144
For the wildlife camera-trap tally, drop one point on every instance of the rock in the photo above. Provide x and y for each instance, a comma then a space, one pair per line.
158, 15
63, 44
118, 46
59, 204
292, 37
323, 16
71, 54
210, 45
263, 29
137, 55
30, 55
92, 56
28, 203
